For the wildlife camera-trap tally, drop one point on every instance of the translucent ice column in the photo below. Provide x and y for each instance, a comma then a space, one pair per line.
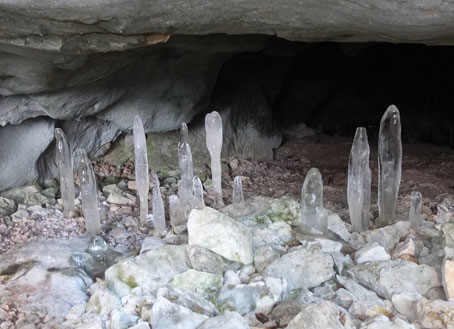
237, 194
65, 169
141, 166
87, 180
359, 178
314, 217
185, 156
415, 210
389, 164
197, 189
213, 129
159, 218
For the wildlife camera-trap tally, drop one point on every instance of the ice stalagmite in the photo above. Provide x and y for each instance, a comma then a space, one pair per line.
197, 189
213, 129
314, 217
415, 210
185, 156
389, 164
87, 180
65, 169
159, 218
175, 213
359, 178
141, 166
237, 194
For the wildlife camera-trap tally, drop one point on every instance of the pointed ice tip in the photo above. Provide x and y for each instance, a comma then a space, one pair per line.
58, 132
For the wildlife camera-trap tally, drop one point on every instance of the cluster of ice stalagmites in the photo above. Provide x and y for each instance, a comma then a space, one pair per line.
359, 180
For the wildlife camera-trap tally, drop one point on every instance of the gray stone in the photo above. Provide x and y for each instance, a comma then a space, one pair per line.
383, 322
149, 270
203, 259
122, 320
405, 304
7, 206
169, 315
371, 252
102, 300
388, 236
229, 320
189, 300
315, 316
221, 234
302, 267
38, 277
395, 276
20, 147
201, 283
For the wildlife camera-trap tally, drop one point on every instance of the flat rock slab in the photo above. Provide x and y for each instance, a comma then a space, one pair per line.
221, 234
395, 276
305, 267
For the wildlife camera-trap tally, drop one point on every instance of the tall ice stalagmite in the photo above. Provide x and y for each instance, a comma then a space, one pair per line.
314, 217
159, 218
141, 166
389, 164
359, 179
65, 169
87, 180
185, 156
213, 129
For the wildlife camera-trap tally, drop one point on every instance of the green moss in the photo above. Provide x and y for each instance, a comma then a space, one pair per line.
129, 280
282, 210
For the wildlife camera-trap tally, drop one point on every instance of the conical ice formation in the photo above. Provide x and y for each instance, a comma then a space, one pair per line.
185, 156
237, 194
141, 167
176, 216
314, 217
213, 129
359, 178
197, 189
185, 195
159, 218
389, 164
87, 180
415, 210
65, 169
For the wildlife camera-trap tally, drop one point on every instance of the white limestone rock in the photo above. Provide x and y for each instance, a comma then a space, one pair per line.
264, 256
166, 315
319, 315
388, 236
221, 234
383, 322
122, 320
203, 259
337, 226
229, 320
395, 276
366, 309
201, 283
258, 297
189, 300
302, 267
405, 304
102, 300
370, 253
149, 270
274, 235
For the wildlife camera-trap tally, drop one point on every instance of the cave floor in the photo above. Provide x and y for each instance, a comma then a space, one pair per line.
426, 168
